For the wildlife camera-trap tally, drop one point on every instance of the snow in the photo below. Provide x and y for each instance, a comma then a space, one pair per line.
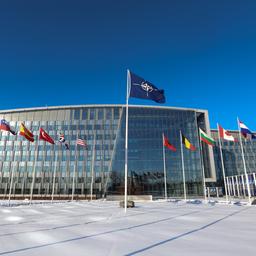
151, 228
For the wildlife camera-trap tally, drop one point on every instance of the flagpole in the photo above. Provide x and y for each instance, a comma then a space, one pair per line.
165, 180
183, 168
222, 164
245, 170
85, 171
201, 159
10, 189
92, 167
68, 156
54, 173
74, 171
18, 171
34, 171
126, 143
202, 164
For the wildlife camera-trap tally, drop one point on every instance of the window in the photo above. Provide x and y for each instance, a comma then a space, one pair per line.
92, 114
77, 114
84, 114
100, 114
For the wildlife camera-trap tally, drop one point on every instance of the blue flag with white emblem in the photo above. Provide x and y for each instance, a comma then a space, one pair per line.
140, 88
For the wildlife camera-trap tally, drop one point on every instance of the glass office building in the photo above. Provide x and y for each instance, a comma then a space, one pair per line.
236, 180
232, 155
101, 163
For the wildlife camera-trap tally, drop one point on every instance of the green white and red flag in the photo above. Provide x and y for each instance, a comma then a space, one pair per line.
206, 138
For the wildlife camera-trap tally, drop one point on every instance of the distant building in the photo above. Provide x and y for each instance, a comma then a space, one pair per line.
232, 155
233, 164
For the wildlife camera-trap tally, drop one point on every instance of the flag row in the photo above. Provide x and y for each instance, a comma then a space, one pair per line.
224, 134
43, 135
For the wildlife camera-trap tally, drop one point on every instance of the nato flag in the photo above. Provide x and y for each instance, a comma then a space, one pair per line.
140, 88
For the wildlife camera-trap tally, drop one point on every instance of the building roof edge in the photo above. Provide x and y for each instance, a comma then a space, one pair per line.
7, 111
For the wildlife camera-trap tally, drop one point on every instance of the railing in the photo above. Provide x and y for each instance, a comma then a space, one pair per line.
237, 187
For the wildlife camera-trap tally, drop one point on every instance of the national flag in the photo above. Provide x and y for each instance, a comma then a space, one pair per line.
43, 135
245, 131
5, 126
62, 138
63, 141
168, 144
81, 142
206, 138
25, 132
224, 134
187, 143
140, 88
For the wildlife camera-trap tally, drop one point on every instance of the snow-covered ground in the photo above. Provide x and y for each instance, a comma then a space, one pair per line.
151, 228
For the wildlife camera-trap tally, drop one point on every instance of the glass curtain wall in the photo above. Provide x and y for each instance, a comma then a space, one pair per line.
145, 155
232, 157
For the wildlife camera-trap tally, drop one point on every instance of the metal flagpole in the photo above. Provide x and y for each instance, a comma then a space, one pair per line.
34, 172
74, 171
202, 164
10, 189
85, 172
92, 166
165, 181
18, 170
183, 169
68, 156
6, 184
201, 158
245, 170
54, 173
126, 143
222, 164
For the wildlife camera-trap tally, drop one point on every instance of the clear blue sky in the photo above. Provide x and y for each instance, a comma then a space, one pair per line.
202, 53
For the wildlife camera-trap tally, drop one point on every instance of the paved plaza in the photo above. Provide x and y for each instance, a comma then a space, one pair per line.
151, 228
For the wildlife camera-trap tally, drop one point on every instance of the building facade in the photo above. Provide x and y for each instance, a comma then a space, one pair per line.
100, 165
233, 164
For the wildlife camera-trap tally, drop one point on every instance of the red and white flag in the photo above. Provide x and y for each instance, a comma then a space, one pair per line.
43, 135
224, 134
81, 142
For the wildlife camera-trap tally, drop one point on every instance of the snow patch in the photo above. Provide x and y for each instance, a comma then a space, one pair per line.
13, 218
5, 211
39, 237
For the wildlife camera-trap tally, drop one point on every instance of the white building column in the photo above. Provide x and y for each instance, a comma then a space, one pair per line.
227, 181
244, 193
233, 185
254, 178
237, 186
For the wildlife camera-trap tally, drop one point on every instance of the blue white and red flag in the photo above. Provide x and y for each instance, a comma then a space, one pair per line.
5, 126
245, 131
